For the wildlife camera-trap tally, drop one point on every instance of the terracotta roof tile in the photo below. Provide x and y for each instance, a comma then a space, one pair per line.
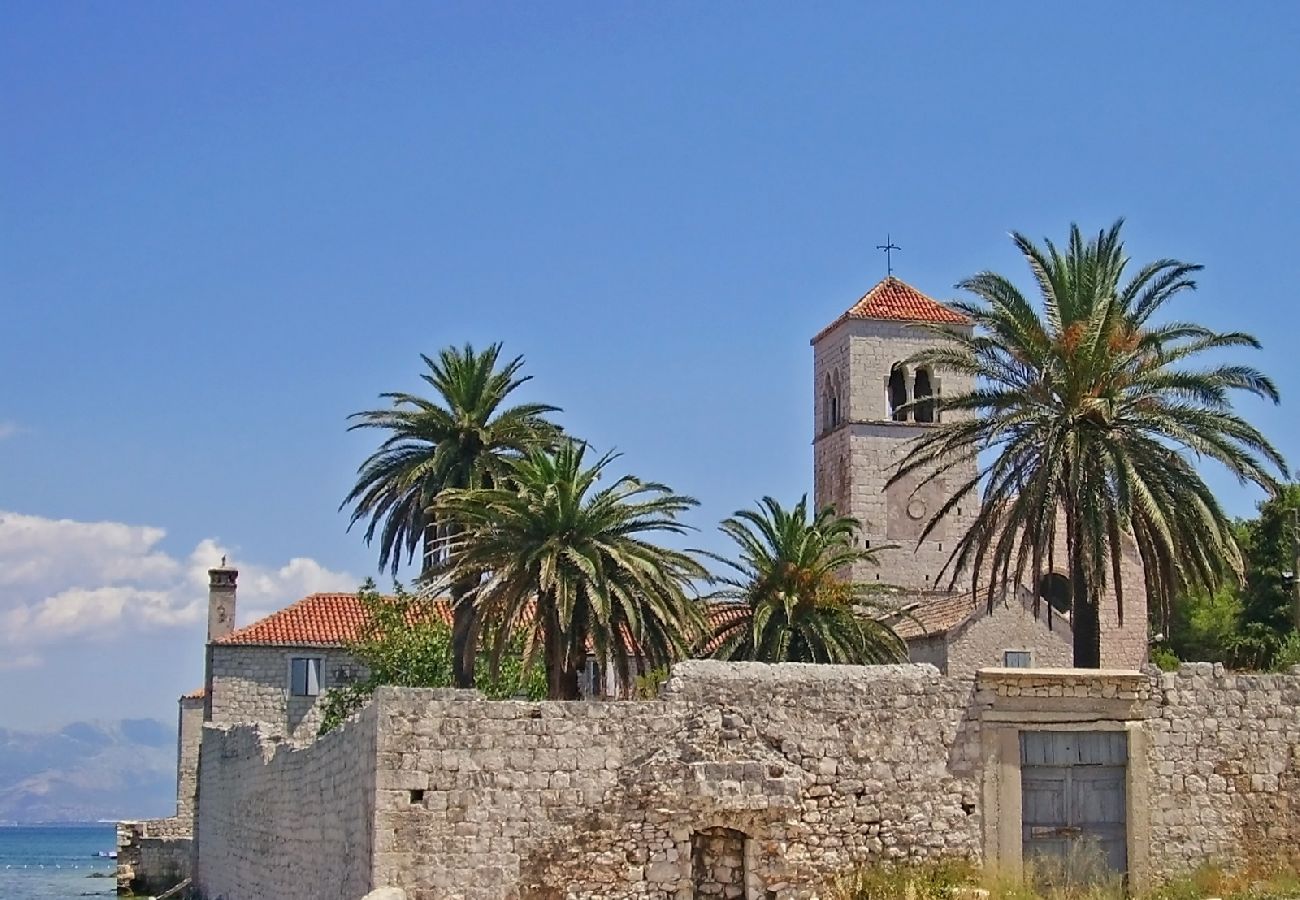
318, 620
897, 300
197, 694
934, 614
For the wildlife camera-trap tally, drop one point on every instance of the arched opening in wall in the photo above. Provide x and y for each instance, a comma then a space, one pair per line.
837, 401
923, 391
828, 392
898, 393
1055, 589
718, 864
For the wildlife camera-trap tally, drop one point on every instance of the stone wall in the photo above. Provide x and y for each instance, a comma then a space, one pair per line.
189, 731
152, 856
275, 821
251, 684
1224, 765
741, 780
816, 766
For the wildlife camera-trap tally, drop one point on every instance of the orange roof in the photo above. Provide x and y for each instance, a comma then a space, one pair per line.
332, 620
898, 301
197, 694
934, 614
318, 620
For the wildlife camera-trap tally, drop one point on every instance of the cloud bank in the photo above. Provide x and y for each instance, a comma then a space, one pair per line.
64, 581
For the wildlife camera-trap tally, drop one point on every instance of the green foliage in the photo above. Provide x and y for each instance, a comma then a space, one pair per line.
571, 568
406, 643
646, 687
457, 440
789, 586
1084, 402
1247, 624
1164, 658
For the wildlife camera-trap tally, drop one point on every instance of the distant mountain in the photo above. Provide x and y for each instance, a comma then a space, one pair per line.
88, 771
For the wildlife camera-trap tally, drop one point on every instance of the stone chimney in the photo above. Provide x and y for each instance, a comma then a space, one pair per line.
221, 600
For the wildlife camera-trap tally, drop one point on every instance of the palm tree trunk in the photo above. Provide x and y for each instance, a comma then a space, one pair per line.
464, 636
1085, 619
561, 673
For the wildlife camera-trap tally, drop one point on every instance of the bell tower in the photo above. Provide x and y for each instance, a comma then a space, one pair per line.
862, 382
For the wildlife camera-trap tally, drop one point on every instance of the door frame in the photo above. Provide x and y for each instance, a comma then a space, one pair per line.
1002, 826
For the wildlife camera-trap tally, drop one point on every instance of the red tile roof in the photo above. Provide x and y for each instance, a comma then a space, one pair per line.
934, 614
332, 620
898, 301
318, 620
197, 694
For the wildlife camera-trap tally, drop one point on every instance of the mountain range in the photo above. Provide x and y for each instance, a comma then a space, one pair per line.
88, 771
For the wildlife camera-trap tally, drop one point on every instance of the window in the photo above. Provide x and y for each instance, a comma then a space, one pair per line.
1055, 589
898, 393
304, 676
1017, 659
923, 391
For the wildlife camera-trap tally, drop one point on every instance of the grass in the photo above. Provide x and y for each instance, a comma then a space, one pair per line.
1259, 880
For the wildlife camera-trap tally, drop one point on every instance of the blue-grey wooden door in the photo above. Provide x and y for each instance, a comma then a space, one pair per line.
1073, 802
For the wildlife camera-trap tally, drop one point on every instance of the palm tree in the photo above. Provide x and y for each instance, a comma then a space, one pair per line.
1086, 405
570, 565
793, 599
459, 440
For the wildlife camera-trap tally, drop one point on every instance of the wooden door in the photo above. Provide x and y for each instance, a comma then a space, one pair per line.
1073, 804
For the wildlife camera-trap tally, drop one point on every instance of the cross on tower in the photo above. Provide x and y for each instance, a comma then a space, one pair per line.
889, 247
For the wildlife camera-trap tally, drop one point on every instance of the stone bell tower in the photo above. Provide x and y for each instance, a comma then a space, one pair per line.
861, 381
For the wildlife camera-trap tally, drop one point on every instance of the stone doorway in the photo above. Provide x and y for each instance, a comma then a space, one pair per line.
718, 864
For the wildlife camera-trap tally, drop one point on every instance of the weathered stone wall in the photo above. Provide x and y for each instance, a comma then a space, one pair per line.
152, 856
984, 640
189, 731
819, 766
251, 684
275, 821
770, 778
1224, 765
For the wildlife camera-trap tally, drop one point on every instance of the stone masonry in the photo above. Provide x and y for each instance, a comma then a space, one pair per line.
742, 780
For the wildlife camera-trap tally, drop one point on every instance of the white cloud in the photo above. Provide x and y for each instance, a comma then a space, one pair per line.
67, 581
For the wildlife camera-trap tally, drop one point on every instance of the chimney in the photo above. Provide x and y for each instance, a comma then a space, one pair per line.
221, 600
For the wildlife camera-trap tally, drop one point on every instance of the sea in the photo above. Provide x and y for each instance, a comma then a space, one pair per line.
56, 862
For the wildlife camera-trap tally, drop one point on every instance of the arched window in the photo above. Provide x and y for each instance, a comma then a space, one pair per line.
898, 393
837, 403
1055, 589
923, 392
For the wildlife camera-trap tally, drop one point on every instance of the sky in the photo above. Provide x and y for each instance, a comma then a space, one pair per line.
225, 227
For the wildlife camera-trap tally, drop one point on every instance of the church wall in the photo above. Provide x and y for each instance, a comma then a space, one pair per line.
983, 641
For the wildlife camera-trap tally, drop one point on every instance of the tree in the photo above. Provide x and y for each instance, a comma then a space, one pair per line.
794, 601
405, 641
459, 440
1087, 405
569, 564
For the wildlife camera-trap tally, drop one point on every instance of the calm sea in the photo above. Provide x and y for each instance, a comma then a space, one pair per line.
56, 863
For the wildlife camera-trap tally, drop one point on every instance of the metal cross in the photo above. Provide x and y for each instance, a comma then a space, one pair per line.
888, 246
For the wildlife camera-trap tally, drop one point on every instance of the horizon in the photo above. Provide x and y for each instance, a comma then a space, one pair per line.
226, 229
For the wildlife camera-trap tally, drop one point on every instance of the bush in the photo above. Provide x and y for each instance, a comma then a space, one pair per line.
405, 643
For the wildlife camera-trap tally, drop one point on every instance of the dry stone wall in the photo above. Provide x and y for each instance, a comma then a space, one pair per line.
741, 780
1224, 765
280, 822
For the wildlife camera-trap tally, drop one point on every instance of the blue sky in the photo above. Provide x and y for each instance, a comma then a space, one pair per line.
225, 227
